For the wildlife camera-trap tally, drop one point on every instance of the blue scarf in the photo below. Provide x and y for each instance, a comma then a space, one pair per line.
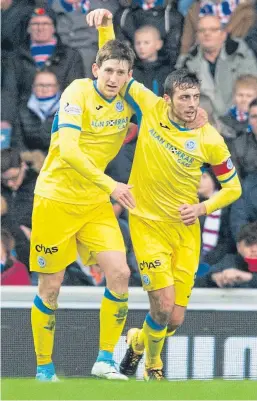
83, 6
44, 107
240, 116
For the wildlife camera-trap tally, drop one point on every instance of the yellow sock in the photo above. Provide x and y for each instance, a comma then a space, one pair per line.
154, 336
43, 328
113, 316
138, 343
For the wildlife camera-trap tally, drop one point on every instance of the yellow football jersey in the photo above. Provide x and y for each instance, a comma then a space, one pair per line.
90, 130
167, 164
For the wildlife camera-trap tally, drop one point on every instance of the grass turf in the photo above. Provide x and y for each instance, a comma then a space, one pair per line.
96, 389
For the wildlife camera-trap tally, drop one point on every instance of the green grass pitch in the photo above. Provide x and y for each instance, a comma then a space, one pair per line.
97, 389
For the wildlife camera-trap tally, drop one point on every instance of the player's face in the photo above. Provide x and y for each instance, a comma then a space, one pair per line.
243, 98
253, 119
111, 76
184, 103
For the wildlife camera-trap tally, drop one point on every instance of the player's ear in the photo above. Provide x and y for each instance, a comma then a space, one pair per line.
167, 98
130, 74
95, 69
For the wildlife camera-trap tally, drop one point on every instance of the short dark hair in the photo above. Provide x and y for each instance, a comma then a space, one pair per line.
181, 78
248, 234
253, 103
115, 49
10, 158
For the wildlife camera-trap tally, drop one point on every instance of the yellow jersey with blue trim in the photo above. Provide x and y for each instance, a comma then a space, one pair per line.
87, 133
168, 159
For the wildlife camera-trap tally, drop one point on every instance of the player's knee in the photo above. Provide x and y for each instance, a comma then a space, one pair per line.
121, 273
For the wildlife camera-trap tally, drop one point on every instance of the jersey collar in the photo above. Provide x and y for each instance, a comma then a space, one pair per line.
100, 94
178, 126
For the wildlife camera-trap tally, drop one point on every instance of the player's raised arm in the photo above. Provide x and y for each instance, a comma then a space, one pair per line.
101, 19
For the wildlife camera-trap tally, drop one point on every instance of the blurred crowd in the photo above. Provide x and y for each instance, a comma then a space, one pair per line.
46, 44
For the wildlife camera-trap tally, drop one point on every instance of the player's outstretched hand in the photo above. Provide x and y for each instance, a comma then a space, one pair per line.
123, 195
99, 17
200, 120
190, 213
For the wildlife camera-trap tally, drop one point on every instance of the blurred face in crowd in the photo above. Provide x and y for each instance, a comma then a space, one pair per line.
41, 29
13, 177
183, 104
247, 251
253, 119
207, 186
111, 76
45, 85
147, 44
243, 97
5, 4
209, 34
72, 1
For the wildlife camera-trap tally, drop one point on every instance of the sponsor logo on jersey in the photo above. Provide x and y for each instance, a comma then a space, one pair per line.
190, 145
181, 157
149, 265
46, 250
99, 107
120, 123
119, 106
72, 109
145, 279
41, 261
164, 126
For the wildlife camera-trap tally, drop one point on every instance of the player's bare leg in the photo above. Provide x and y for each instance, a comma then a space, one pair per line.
43, 323
113, 312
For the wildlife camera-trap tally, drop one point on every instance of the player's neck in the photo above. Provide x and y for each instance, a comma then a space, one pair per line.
175, 119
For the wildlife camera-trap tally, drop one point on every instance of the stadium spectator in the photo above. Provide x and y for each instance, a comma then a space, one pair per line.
73, 29
244, 210
245, 91
9, 101
251, 38
36, 115
218, 61
14, 20
236, 270
44, 48
159, 13
235, 16
216, 233
150, 68
17, 188
13, 272
244, 148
